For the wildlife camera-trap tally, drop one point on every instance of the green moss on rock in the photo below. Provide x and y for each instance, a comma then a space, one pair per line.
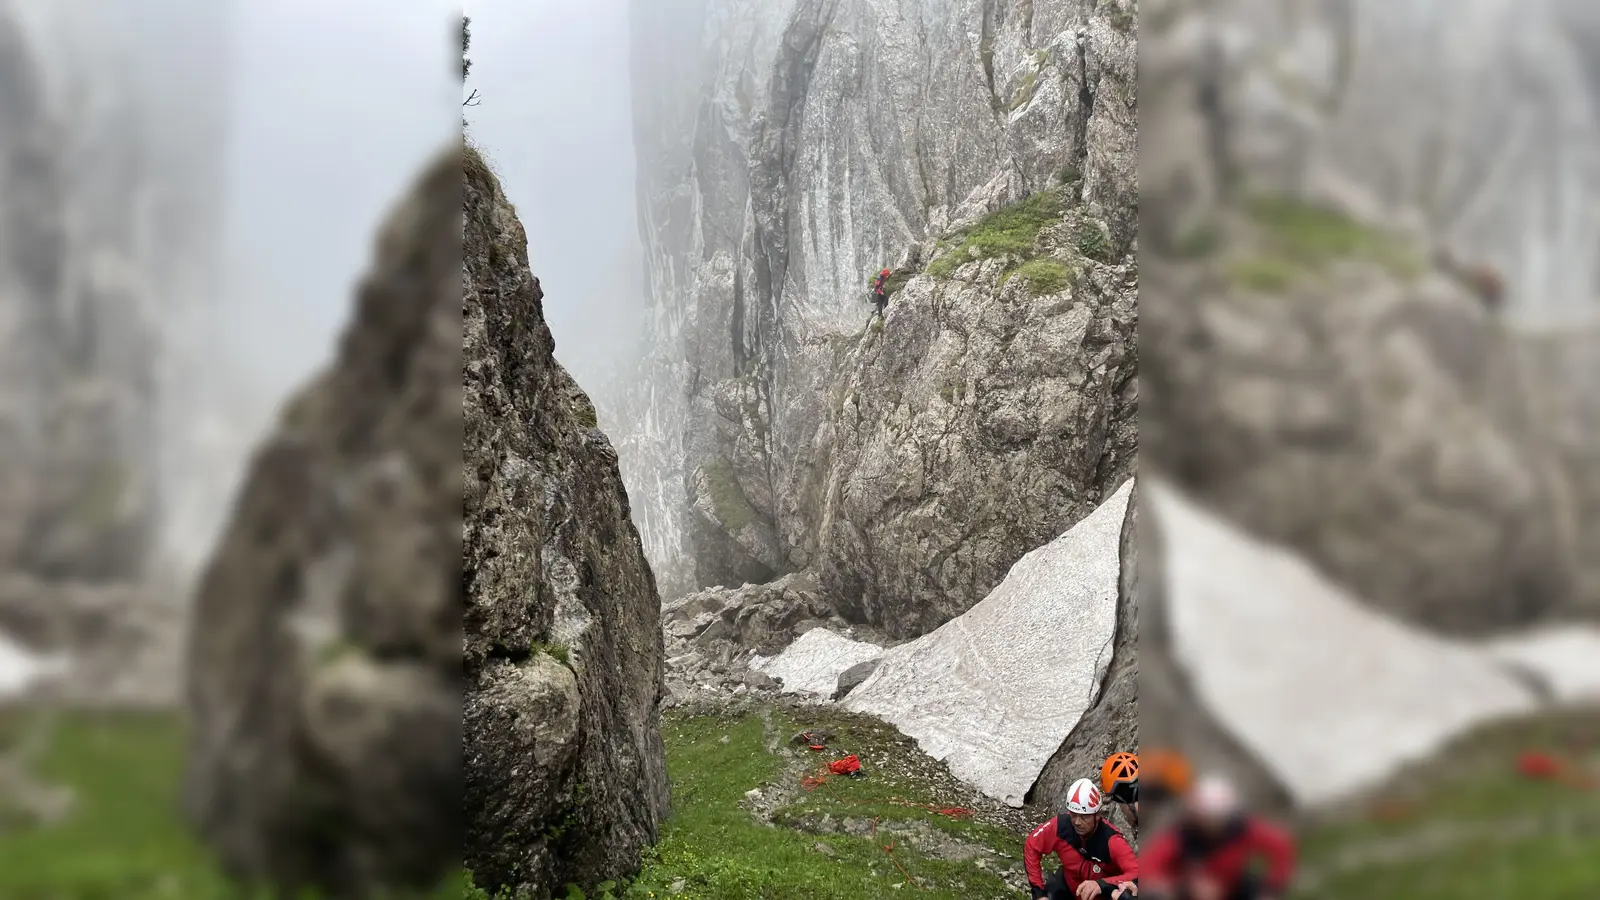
1013, 231
728, 502
1045, 276
1312, 236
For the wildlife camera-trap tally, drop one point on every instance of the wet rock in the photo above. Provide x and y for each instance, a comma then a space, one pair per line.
324, 684
564, 646
852, 677
907, 463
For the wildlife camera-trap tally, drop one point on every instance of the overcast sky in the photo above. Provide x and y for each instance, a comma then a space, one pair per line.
337, 106
555, 120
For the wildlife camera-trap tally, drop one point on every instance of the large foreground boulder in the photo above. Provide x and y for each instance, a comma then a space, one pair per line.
995, 691
565, 770
325, 673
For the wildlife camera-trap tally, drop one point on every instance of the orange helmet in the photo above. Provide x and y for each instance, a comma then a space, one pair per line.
1119, 768
1170, 772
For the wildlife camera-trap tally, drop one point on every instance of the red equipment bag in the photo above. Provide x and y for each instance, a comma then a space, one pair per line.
845, 766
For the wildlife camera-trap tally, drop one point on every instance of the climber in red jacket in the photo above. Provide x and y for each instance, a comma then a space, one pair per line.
1214, 850
880, 293
1095, 857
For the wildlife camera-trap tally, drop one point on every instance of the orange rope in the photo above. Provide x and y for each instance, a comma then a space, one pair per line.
888, 850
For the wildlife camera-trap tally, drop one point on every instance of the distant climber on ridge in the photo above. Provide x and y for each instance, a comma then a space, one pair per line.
880, 293
1095, 858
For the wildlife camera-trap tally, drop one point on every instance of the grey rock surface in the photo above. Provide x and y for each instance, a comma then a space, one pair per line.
565, 770
77, 358
1050, 625
1310, 369
851, 678
909, 465
122, 643
725, 623
980, 421
324, 680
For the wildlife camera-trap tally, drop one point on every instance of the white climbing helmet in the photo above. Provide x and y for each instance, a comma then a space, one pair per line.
1214, 796
1083, 798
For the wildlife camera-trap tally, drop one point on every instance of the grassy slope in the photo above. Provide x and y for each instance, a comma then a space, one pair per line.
125, 839
1469, 824
828, 841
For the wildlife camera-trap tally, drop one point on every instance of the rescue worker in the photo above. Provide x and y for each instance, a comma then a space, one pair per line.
1212, 852
1095, 858
880, 293
1119, 782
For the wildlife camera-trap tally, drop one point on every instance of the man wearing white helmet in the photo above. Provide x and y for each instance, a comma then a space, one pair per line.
1095, 858
1218, 851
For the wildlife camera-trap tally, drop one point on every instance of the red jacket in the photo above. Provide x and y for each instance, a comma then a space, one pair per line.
1176, 854
1103, 856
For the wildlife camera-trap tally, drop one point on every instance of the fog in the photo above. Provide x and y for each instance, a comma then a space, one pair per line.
336, 105
554, 117
269, 137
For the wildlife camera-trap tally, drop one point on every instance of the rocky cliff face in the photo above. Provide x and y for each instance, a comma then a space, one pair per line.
76, 360
566, 772
831, 138
1310, 370
325, 657
992, 409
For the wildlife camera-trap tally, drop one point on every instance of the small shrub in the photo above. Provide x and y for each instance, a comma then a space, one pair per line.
1122, 20
1200, 241
1261, 274
587, 417
1092, 241
1045, 276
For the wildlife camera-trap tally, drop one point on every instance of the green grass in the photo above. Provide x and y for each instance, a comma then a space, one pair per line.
1199, 241
561, 653
728, 501
1471, 825
1263, 274
718, 851
125, 838
1045, 276
1012, 231
1311, 237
